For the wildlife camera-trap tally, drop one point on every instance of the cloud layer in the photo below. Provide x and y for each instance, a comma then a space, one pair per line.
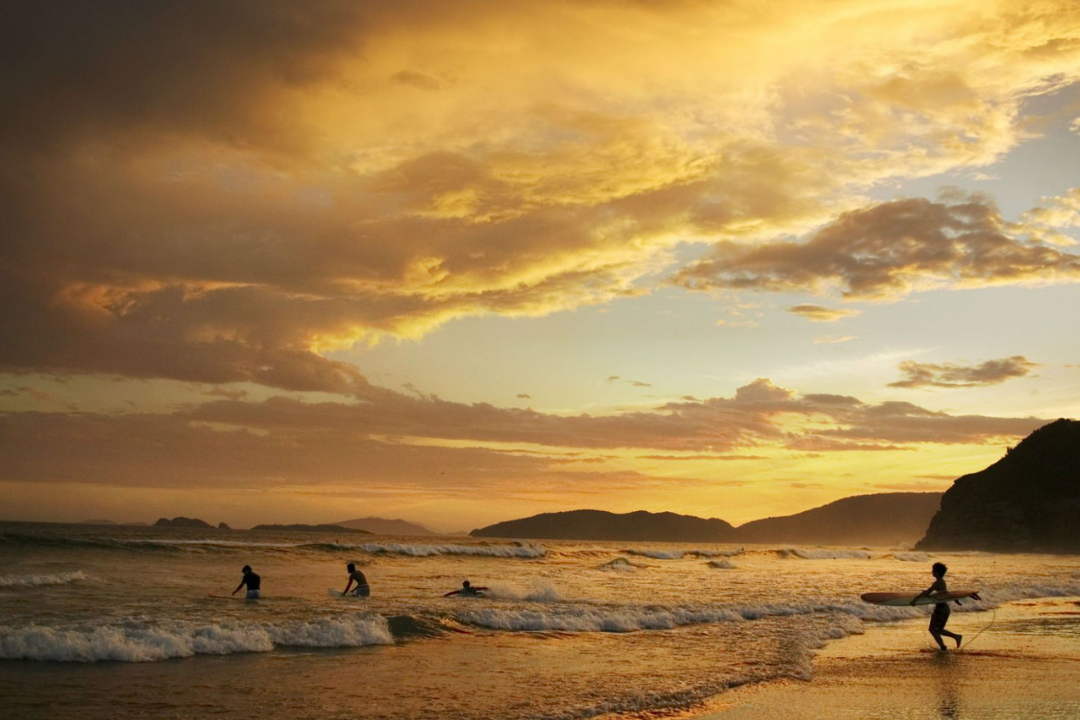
218, 192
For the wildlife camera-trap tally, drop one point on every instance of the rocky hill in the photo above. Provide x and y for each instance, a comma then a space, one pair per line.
382, 526
182, 522
299, 527
601, 525
1028, 501
883, 519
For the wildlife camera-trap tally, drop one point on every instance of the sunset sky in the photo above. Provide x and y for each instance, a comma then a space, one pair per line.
461, 262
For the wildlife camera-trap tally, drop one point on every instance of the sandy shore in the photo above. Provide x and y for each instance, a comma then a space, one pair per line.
1026, 665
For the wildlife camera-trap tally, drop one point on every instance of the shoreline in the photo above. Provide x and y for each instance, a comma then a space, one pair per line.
1026, 663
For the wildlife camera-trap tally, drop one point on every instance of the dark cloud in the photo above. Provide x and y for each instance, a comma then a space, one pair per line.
887, 251
950, 375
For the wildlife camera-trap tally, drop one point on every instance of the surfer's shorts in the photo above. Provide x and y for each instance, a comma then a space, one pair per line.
252, 595
939, 617
362, 591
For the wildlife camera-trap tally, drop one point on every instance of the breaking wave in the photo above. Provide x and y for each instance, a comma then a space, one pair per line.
619, 565
911, 557
824, 554
39, 580
657, 554
150, 641
507, 551
721, 564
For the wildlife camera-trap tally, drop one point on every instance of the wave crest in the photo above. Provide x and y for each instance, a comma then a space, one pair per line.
39, 580
142, 641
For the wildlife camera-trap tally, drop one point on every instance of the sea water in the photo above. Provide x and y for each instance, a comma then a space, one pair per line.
118, 622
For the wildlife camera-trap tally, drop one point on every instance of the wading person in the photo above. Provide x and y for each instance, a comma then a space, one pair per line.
252, 581
362, 587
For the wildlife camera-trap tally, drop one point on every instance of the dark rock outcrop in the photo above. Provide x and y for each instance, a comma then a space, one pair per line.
883, 519
1029, 501
601, 525
182, 522
223, 526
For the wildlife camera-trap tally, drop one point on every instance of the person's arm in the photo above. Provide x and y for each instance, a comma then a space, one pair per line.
452, 593
346, 590
923, 594
242, 581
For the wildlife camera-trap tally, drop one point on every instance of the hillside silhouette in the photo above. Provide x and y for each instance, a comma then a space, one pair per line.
1028, 501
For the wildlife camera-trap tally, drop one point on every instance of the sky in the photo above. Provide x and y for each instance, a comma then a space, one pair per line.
466, 262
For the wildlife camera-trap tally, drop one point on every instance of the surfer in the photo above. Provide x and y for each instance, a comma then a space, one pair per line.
467, 590
252, 581
362, 587
941, 612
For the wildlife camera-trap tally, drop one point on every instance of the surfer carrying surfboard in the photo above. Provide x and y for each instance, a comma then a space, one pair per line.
941, 612
362, 587
252, 581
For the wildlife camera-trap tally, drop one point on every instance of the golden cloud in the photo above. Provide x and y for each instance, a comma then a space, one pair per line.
224, 191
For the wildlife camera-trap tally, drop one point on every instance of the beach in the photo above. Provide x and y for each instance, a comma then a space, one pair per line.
1024, 665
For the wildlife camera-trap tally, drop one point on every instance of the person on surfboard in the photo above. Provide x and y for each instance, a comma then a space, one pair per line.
362, 587
941, 612
252, 581
467, 590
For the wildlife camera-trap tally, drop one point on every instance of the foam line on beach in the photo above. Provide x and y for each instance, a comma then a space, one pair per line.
150, 641
797, 664
63, 578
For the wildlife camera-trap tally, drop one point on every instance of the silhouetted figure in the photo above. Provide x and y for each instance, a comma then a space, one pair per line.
252, 581
941, 612
467, 590
362, 587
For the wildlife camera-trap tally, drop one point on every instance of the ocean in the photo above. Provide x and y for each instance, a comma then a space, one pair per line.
107, 622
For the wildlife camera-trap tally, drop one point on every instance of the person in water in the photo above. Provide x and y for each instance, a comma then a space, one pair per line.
252, 581
941, 612
362, 587
467, 590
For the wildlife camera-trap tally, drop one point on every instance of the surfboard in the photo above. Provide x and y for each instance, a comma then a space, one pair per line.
901, 599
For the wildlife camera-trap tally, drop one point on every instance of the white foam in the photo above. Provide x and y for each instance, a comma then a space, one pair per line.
142, 641
657, 554
39, 580
824, 554
507, 551
540, 591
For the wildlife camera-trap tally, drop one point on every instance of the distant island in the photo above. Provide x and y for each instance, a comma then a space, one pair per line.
381, 526
884, 519
881, 519
312, 528
1028, 501
182, 522
602, 525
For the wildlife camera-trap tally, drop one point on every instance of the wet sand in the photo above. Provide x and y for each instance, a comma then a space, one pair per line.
1026, 665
